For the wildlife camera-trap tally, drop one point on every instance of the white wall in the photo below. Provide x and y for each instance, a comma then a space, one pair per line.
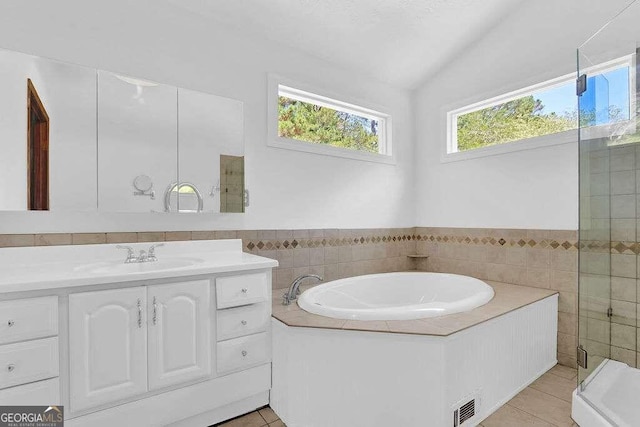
152, 40
527, 189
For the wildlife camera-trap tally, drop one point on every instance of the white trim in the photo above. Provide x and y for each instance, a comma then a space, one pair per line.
451, 153
560, 138
277, 84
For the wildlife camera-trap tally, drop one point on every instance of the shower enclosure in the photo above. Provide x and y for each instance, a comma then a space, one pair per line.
608, 389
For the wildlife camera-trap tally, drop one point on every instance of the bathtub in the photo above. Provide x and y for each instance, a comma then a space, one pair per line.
396, 296
369, 376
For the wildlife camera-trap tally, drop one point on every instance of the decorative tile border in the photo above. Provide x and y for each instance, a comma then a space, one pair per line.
321, 242
326, 238
501, 241
614, 247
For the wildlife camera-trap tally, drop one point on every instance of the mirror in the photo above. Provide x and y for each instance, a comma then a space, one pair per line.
48, 157
211, 129
137, 131
78, 139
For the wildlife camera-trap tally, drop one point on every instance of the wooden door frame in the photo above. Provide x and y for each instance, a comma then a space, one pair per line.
43, 118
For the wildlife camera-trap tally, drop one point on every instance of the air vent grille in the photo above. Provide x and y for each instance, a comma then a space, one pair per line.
464, 413
467, 411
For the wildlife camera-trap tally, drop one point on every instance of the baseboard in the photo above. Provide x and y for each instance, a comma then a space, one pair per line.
226, 412
185, 403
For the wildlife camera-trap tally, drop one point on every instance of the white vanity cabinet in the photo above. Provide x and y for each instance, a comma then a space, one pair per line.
111, 331
29, 351
179, 344
244, 310
137, 344
107, 346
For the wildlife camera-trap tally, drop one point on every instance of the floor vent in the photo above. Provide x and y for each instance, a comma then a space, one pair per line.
464, 413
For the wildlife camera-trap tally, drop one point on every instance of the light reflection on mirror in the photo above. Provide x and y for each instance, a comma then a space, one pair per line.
231, 184
183, 198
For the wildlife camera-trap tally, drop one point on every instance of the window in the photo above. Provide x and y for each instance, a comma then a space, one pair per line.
305, 121
542, 114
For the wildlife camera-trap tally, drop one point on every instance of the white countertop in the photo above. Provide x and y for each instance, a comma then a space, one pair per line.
55, 267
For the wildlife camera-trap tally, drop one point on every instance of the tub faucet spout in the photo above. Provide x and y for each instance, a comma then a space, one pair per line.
294, 288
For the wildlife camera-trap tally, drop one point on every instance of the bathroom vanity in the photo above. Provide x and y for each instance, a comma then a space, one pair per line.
184, 340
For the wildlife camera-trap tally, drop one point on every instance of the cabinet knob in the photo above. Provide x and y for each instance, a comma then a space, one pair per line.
245, 290
244, 322
11, 367
244, 353
11, 323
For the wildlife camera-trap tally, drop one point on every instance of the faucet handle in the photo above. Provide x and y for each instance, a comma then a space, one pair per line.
130, 253
128, 248
152, 248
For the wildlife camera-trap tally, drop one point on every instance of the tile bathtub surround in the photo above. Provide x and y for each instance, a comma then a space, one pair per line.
507, 298
537, 258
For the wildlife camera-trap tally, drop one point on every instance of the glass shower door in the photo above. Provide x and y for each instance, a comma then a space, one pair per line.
609, 163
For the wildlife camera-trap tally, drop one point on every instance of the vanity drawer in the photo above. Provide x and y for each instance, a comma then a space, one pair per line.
43, 393
233, 291
243, 352
28, 361
240, 321
26, 319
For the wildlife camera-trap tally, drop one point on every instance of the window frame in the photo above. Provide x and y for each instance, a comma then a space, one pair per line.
451, 154
309, 94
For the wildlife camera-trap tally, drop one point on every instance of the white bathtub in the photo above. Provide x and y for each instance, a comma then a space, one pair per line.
396, 296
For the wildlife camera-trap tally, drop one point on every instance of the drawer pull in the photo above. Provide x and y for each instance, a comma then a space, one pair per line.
139, 313
244, 322
155, 311
244, 353
11, 323
245, 290
11, 367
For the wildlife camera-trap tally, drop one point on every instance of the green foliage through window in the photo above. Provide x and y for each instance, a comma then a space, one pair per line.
548, 111
308, 122
511, 121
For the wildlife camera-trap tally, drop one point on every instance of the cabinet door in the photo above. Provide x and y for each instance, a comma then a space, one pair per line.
107, 346
179, 345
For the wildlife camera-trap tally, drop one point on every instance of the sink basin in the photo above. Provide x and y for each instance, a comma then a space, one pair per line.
119, 267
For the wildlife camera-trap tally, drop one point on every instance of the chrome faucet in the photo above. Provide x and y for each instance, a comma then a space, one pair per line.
144, 256
294, 288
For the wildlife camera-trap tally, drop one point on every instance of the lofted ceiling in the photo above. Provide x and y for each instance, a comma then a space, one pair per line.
401, 42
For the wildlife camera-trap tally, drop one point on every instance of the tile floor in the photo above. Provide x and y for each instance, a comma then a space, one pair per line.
545, 403
263, 417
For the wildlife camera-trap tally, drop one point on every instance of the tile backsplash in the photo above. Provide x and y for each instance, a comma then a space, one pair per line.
539, 258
